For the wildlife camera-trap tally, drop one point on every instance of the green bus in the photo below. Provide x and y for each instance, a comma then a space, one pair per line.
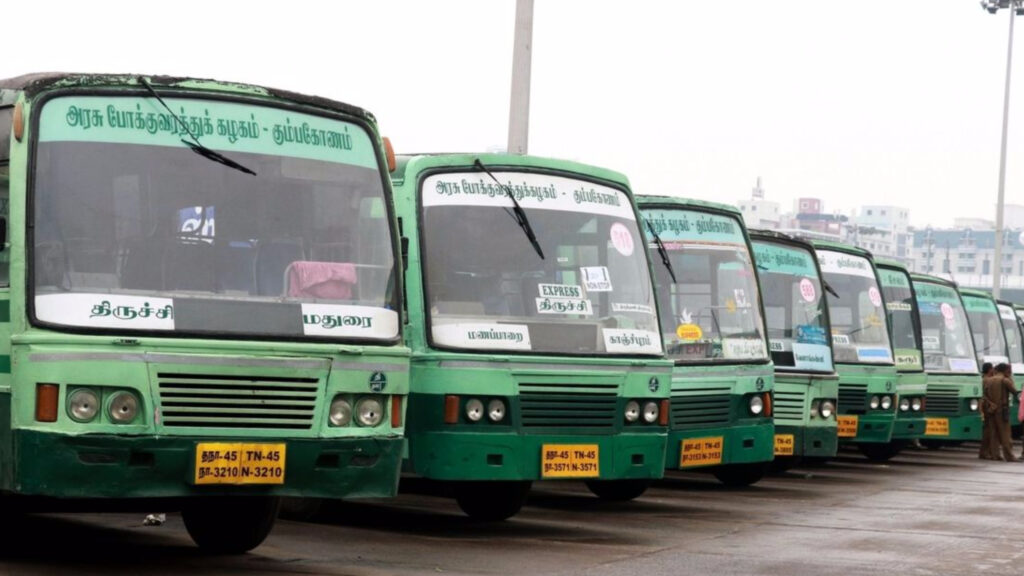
198, 300
912, 381
986, 326
533, 328
1014, 350
954, 383
806, 383
713, 329
862, 347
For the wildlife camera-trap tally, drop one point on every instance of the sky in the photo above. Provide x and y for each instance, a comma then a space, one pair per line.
867, 102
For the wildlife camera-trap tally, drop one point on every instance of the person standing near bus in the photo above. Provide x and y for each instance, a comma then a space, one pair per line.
997, 389
985, 452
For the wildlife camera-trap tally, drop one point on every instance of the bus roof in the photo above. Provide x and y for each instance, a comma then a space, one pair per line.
34, 84
976, 293
649, 199
890, 263
919, 277
498, 161
840, 247
773, 235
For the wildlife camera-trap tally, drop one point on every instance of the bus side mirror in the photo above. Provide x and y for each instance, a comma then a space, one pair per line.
405, 253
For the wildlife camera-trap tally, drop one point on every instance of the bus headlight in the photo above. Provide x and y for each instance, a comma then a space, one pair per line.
874, 402
341, 412
973, 404
123, 408
828, 408
496, 410
369, 411
756, 405
83, 405
886, 402
815, 408
632, 412
651, 412
474, 410
916, 404
904, 404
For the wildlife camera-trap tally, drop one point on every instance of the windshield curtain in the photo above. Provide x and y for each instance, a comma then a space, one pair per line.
133, 230
945, 333
859, 331
793, 306
712, 312
987, 330
900, 308
489, 289
1013, 338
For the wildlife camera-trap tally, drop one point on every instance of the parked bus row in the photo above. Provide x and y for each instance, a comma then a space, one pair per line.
214, 295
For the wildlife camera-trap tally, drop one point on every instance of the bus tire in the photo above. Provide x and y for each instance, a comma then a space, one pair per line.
300, 509
741, 475
491, 501
230, 525
933, 444
618, 490
878, 452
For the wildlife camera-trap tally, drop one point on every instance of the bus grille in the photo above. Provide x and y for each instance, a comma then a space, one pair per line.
704, 406
789, 405
942, 399
578, 406
219, 401
852, 398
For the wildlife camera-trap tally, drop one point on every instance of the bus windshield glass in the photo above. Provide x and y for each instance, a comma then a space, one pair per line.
1011, 329
133, 230
987, 328
945, 333
711, 312
903, 318
794, 307
488, 288
859, 332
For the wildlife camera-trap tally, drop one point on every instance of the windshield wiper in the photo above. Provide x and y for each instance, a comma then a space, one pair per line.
829, 289
517, 213
661, 250
195, 145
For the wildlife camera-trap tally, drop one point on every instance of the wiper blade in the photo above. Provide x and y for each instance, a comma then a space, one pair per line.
518, 214
195, 145
829, 289
661, 250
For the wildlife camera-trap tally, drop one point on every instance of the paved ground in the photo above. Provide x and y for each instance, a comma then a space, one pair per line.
923, 513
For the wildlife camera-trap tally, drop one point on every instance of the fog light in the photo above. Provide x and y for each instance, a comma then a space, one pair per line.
651, 412
496, 410
474, 410
886, 402
632, 412
369, 411
915, 404
124, 406
341, 412
828, 408
83, 405
756, 405
874, 402
904, 404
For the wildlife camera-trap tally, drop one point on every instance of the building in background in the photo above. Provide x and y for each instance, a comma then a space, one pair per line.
967, 256
758, 212
884, 230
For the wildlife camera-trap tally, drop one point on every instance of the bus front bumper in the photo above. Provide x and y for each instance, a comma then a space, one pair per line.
908, 427
722, 446
810, 441
959, 428
105, 466
876, 428
458, 456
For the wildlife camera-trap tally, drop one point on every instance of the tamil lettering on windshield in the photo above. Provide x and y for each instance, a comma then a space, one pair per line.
900, 308
794, 307
987, 330
488, 288
712, 311
945, 333
856, 309
133, 230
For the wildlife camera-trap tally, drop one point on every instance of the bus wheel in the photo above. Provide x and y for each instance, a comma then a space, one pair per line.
933, 444
491, 501
877, 452
618, 490
740, 475
301, 509
230, 525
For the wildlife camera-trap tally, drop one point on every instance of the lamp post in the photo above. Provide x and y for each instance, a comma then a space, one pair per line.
519, 104
1017, 8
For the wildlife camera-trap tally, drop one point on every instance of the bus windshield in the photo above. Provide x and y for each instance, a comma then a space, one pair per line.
488, 288
793, 306
859, 332
712, 311
989, 340
903, 319
1011, 329
945, 333
134, 230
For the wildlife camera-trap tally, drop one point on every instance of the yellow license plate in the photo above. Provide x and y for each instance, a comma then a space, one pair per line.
701, 451
784, 444
570, 461
847, 426
238, 463
936, 426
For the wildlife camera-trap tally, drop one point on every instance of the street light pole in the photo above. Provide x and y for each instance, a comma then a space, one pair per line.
519, 104
1016, 7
